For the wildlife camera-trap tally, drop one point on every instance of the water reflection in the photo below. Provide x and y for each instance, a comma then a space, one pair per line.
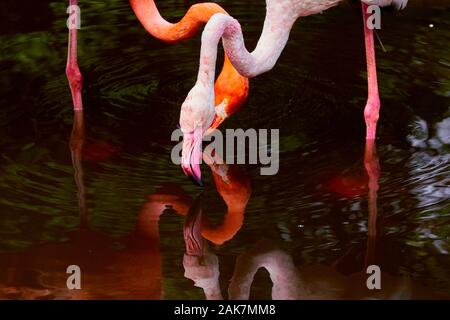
293, 282
131, 267
107, 273
135, 270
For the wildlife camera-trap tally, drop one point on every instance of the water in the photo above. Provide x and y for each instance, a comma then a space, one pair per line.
97, 204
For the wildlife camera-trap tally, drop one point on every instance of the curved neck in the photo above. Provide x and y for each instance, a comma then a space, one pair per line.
214, 30
149, 16
280, 17
285, 277
233, 221
197, 15
277, 25
235, 190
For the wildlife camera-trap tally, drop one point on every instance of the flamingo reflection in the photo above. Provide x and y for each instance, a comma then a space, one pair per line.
200, 263
135, 271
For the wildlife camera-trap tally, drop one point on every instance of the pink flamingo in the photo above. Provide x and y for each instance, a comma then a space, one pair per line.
198, 110
230, 89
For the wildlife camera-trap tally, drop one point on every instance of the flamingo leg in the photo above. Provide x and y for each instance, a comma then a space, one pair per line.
72, 70
372, 109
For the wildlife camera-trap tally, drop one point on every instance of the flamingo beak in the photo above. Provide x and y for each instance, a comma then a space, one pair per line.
191, 156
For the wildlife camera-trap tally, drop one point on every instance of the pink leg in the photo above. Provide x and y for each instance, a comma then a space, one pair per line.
371, 111
72, 70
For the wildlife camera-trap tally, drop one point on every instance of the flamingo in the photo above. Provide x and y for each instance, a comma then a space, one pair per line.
201, 105
230, 89
200, 264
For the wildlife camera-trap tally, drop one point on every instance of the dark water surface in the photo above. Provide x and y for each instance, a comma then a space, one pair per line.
98, 207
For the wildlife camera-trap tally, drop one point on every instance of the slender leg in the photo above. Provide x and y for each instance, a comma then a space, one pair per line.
372, 165
371, 111
72, 70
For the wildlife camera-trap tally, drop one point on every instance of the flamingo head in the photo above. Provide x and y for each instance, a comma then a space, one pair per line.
197, 114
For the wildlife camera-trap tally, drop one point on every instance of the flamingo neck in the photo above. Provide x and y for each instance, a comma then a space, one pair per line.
208, 53
275, 34
197, 15
277, 25
232, 223
273, 39
148, 14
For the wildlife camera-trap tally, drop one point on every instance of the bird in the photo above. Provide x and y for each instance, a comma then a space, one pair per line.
229, 91
200, 105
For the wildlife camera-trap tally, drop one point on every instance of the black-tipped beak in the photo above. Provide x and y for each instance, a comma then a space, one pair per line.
192, 170
189, 171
